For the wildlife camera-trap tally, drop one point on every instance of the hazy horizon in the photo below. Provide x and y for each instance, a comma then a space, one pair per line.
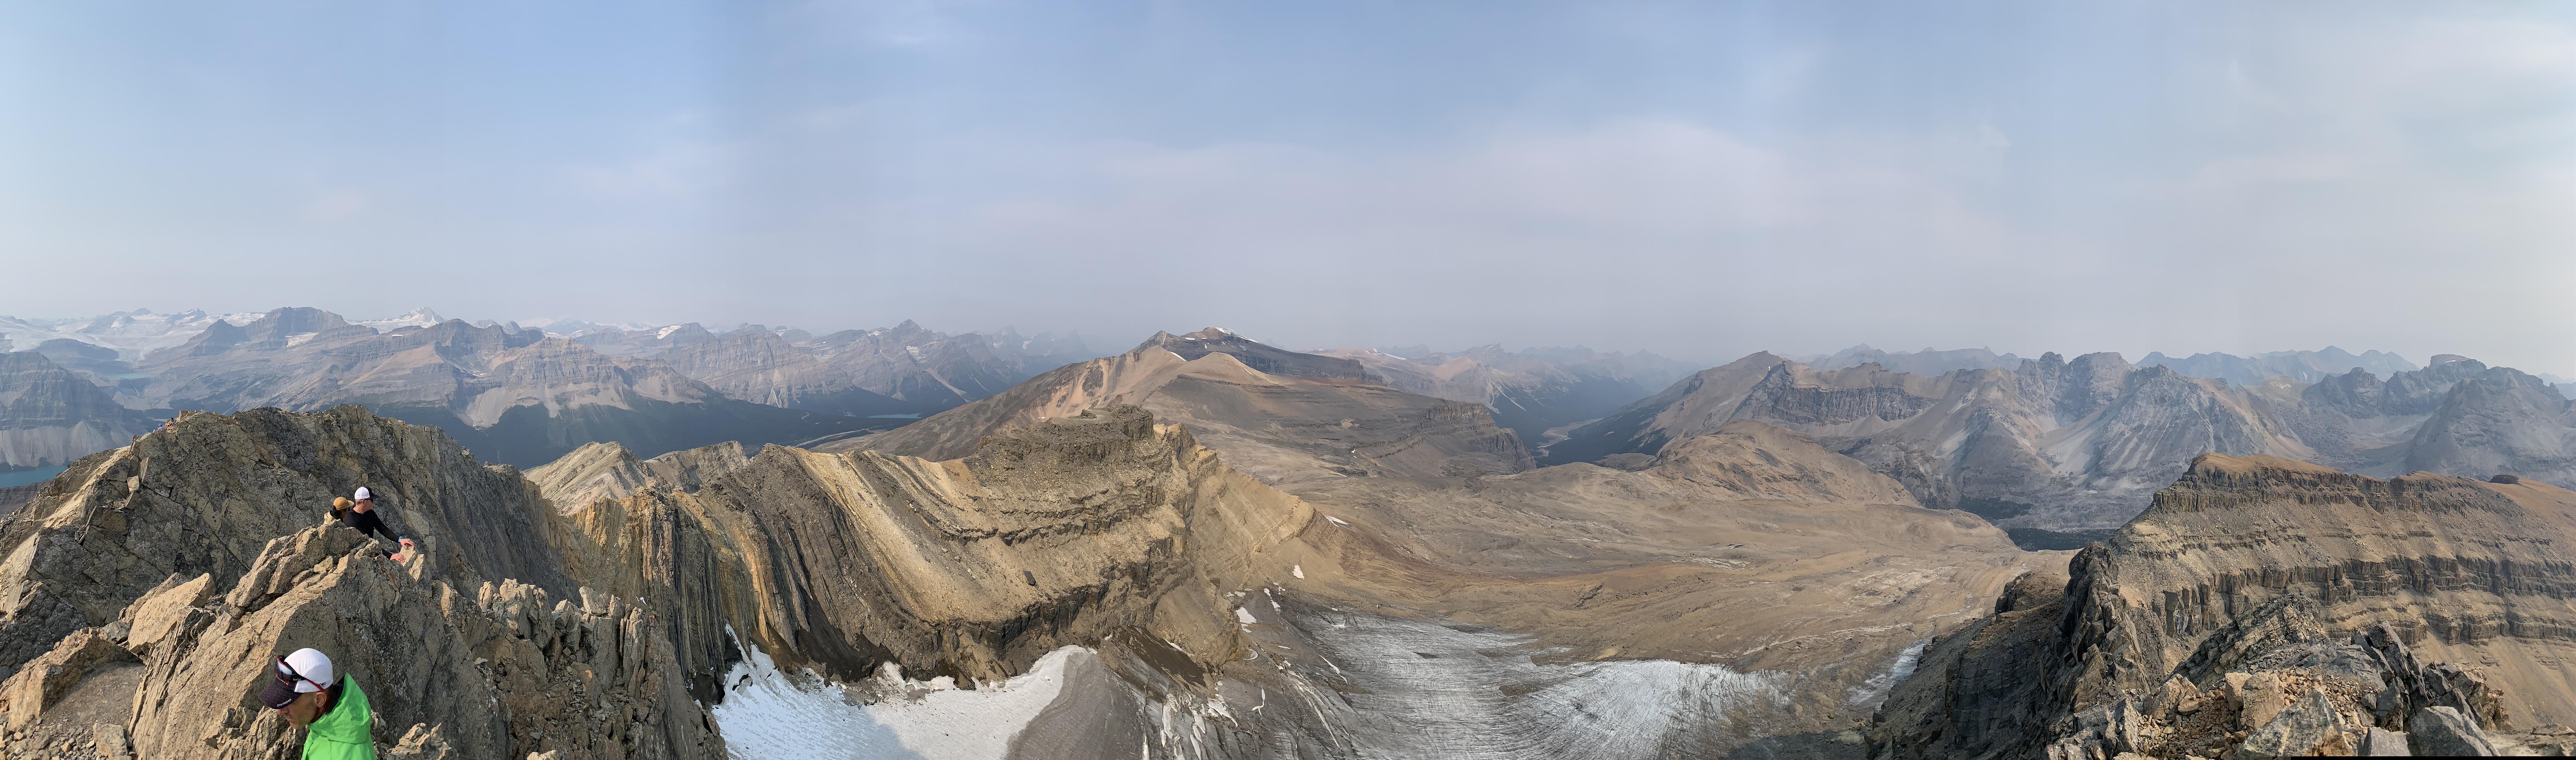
1697, 181
1114, 344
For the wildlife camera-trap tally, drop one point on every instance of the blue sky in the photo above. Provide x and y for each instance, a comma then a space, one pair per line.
1702, 180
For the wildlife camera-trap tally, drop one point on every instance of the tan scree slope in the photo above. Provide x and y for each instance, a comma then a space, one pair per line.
1279, 428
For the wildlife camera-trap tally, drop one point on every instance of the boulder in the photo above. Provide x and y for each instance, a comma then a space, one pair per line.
2442, 731
159, 612
2381, 742
2302, 728
37, 684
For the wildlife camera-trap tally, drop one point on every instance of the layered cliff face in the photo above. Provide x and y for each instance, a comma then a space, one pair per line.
1062, 533
1529, 395
1281, 428
50, 416
2268, 607
514, 396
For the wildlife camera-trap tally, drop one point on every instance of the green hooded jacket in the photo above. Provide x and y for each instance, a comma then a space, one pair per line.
347, 732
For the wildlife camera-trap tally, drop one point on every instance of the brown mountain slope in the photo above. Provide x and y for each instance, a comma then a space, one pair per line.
1280, 428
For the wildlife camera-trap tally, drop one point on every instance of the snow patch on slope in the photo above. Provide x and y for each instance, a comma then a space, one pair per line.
1444, 690
769, 713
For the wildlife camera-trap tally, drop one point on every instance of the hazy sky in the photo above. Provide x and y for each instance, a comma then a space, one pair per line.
1702, 180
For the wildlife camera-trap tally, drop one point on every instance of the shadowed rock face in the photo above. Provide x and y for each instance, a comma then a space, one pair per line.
2249, 582
50, 416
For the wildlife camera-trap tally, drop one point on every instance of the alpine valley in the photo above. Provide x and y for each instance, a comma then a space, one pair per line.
641, 541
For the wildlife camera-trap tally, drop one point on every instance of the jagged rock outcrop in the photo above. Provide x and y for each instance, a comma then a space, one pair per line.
204, 495
501, 672
225, 510
1281, 428
2264, 606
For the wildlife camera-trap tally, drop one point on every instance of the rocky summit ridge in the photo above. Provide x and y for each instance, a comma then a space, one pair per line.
2264, 607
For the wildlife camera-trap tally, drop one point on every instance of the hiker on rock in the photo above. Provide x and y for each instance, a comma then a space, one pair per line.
361, 514
338, 724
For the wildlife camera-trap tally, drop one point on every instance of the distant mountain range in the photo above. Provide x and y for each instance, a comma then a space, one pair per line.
514, 394
1532, 391
2058, 445
2042, 444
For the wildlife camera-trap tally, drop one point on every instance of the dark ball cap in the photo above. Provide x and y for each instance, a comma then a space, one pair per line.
277, 694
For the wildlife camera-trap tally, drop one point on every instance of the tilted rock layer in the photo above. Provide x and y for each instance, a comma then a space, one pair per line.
2253, 582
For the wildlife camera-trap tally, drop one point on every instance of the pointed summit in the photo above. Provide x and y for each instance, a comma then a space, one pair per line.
1269, 360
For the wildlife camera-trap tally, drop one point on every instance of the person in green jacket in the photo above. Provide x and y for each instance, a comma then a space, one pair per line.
338, 724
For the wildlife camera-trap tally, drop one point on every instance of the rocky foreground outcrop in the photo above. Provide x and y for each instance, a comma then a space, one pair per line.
2264, 607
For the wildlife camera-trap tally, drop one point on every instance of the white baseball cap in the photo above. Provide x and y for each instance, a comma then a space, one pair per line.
305, 671
362, 495
313, 665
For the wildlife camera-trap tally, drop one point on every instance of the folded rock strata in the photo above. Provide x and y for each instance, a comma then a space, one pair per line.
2259, 590
1305, 418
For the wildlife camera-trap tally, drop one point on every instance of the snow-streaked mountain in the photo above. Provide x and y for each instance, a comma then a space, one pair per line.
420, 317
130, 333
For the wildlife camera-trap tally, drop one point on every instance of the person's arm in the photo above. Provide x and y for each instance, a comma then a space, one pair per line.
373, 525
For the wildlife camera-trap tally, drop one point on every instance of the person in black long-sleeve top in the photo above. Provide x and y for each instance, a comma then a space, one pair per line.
361, 515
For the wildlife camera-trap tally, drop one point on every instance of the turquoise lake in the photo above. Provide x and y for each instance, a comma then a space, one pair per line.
23, 477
